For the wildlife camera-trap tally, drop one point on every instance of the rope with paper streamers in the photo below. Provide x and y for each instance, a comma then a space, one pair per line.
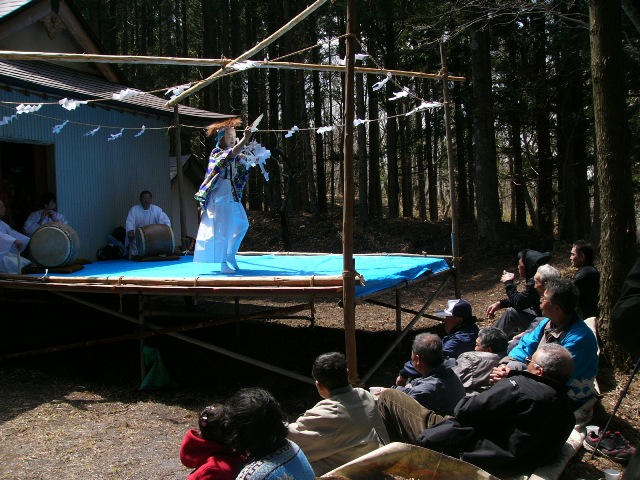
72, 104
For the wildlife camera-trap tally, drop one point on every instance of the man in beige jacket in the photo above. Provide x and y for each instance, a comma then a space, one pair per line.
344, 425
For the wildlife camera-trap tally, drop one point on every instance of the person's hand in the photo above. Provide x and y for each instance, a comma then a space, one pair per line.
498, 373
18, 244
507, 277
492, 309
131, 234
44, 215
401, 381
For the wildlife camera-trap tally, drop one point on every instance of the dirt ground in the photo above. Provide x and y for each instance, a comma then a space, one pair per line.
80, 413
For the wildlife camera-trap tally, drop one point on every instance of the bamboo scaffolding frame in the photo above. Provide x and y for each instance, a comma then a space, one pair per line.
212, 62
249, 53
167, 290
277, 282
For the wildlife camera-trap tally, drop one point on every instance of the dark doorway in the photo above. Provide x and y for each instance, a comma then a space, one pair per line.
26, 173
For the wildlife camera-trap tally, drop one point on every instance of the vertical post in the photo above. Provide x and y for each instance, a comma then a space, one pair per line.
141, 322
348, 265
453, 197
178, 152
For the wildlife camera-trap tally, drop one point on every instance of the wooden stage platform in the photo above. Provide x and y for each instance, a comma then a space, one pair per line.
270, 277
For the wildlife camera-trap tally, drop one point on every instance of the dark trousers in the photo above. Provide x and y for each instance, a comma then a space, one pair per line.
404, 417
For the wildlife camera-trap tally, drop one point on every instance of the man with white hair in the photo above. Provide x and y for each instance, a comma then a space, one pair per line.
517, 425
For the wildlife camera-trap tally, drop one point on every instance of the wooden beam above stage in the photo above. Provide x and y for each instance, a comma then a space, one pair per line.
211, 62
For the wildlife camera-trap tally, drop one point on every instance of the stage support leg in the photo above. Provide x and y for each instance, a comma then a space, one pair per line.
399, 315
141, 322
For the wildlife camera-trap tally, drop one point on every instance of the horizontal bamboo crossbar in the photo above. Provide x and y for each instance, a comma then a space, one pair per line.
211, 62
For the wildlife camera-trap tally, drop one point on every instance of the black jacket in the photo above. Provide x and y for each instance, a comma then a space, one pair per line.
587, 279
529, 298
512, 428
625, 317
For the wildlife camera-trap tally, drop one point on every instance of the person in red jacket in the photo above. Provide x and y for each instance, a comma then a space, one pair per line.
206, 449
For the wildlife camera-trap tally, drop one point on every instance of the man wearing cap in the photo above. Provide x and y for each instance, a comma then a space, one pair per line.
461, 332
407, 410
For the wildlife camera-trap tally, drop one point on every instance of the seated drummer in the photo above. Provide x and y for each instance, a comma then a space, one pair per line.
11, 243
48, 213
142, 215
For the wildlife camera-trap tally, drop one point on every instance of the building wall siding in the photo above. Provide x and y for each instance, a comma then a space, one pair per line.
97, 181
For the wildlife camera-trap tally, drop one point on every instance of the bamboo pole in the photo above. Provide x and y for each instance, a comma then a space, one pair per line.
453, 198
348, 263
249, 53
300, 281
209, 62
267, 292
178, 152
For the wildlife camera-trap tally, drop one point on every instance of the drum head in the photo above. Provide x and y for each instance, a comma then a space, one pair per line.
54, 245
155, 239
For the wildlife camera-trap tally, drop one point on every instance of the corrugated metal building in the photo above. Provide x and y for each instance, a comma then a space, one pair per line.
96, 180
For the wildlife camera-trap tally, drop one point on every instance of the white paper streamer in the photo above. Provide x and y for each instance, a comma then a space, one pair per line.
92, 132
293, 130
7, 120
126, 93
377, 86
114, 136
401, 94
59, 127
175, 91
22, 108
71, 104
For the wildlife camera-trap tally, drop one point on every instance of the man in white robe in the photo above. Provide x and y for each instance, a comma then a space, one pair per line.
141, 215
48, 213
12, 243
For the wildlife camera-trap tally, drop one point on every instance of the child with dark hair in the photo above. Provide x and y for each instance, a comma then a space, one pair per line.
206, 449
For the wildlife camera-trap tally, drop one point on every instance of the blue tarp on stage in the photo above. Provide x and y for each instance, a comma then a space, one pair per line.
379, 271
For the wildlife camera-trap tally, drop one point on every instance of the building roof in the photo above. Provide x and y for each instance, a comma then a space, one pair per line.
9, 6
53, 80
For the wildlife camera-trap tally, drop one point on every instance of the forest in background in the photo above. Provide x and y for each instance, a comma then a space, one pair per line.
544, 128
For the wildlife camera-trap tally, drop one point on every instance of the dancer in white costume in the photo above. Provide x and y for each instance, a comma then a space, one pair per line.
224, 221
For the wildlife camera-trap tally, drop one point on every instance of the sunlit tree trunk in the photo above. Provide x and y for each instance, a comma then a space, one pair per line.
617, 251
486, 171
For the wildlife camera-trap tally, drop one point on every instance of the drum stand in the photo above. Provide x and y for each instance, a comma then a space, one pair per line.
623, 393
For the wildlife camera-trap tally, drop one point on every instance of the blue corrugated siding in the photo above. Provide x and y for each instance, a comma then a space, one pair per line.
97, 181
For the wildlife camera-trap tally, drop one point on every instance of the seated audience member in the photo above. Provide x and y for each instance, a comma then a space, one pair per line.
460, 336
562, 326
404, 409
344, 425
518, 424
146, 213
206, 449
43, 216
587, 279
541, 278
474, 368
522, 307
12, 243
257, 429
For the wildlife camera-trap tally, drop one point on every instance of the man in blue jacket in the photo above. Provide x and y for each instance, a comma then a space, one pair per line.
563, 326
461, 331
